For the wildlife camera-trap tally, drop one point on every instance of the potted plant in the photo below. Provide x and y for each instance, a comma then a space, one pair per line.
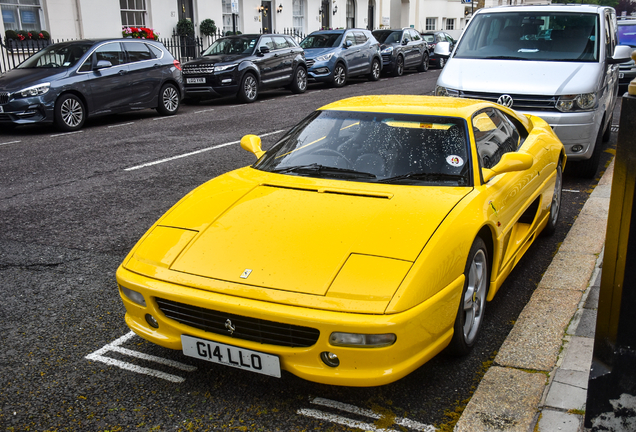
208, 27
185, 30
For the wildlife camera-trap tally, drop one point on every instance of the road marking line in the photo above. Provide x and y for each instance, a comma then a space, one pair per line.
205, 110
11, 142
341, 420
352, 409
115, 346
65, 133
570, 190
193, 153
119, 125
165, 117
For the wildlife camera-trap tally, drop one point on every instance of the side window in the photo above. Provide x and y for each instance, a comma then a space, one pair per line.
87, 66
280, 42
111, 52
415, 35
137, 51
291, 42
406, 36
350, 37
495, 135
361, 38
268, 42
156, 51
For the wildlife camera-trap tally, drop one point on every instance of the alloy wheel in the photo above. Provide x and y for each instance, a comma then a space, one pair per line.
170, 99
72, 112
339, 76
250, 87
475, 296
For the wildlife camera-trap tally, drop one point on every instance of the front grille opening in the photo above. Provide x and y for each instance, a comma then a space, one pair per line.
251, 329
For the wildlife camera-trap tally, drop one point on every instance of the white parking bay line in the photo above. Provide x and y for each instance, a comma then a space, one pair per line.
193, 153
205, 110
10, 142
352, 409
65, 133
120, 125
571, 190
116, 347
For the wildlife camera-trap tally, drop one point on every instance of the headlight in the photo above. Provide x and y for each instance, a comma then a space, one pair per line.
36, 90
134, 296
581, 102
224, 67
444, 91
362, 340
387, 50
325, 57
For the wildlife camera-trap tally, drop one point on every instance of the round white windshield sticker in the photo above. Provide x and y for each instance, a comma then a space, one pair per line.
455, 161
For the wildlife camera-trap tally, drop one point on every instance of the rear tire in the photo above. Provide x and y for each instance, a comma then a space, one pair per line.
473, 300
299, 83
168, 100
70, 113
423, 67
442, 62
248, 92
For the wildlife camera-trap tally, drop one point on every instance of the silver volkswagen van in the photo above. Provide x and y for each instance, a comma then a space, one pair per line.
559, 62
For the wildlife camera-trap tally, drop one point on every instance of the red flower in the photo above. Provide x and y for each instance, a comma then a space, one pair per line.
21, 37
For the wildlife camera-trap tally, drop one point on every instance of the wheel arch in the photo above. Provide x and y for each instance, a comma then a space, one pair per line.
80, 95
488, 235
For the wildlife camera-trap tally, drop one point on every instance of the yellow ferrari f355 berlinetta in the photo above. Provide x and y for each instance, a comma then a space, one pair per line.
365, 241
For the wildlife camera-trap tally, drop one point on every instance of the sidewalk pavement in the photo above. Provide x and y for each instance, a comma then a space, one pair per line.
538, 381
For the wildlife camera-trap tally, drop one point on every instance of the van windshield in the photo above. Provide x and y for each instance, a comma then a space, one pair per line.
532, 36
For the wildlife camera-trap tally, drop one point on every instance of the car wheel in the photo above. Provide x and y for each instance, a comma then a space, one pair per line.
376, 69
168, 100
608, 132
555, 206
423, 67
398, 70
248, 92
299, 84
473, 300
587, 168
339, 75
442, 62
70, 113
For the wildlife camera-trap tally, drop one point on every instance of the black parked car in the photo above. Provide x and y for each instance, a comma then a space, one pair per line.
245, 64
432, 38
67, 82
402, 49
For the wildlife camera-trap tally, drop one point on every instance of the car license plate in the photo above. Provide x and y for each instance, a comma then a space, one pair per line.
229, 355
195, 80
621, 75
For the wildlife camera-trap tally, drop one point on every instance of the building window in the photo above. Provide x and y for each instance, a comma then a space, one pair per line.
226, 7
22, 14
450, 24
133, 13
351, 14
431, 23
299, 16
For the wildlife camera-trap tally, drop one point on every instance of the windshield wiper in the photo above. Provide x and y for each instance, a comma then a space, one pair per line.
506, 58
461, 180
322, 169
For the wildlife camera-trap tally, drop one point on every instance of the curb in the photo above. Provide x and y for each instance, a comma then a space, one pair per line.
538, 380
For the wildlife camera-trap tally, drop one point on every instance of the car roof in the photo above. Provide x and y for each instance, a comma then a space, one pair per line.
545, 8
420, 105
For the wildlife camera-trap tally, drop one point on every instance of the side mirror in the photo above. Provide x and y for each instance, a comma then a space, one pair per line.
622, 54
264, 49
443, 49
510, 162
348, 44
252, 143
405, 42
103, 64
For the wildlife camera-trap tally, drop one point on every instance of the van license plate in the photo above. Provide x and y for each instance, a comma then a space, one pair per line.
621, 75
229, 355
195, 80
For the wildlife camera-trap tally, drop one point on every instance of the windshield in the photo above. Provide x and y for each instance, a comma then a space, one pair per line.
429, 38
532, 36
324, 40
374, 147
388, 37
239, 45
55, 56
627, 34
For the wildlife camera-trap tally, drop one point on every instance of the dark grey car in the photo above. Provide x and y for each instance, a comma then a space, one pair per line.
67, 82
402, 49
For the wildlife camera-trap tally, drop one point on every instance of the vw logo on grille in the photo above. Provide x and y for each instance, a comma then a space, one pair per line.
505, 100
230, 327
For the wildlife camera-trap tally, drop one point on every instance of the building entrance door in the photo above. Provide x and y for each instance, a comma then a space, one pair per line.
266, 15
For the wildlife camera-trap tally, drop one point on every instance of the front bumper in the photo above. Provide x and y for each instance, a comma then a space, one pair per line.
320, 72
422, 331
218, 85
28, 110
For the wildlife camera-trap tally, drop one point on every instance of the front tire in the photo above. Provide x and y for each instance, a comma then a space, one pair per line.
299, 84
588, 168
555, 206
376, 69
442, 62
399, 66
248, 92
339, 76
473, 300
70, 113
168, 100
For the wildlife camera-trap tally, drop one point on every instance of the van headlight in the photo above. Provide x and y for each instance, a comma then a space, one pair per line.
36, 90
581, 102
445, 91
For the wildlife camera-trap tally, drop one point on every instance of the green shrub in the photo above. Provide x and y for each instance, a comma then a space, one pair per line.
208, 27
185, 27
11, 34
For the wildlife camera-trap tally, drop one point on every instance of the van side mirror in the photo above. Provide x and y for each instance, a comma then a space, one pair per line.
443, 49
510, 162
622, 54
252, 143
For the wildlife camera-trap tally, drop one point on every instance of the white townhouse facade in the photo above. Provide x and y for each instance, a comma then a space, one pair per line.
76, 19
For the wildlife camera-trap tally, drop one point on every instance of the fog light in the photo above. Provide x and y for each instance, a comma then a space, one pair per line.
134, 296
362, 340
577, 148
330, 359
322, 70
152, 321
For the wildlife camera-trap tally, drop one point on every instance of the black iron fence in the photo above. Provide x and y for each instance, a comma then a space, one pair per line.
183, 48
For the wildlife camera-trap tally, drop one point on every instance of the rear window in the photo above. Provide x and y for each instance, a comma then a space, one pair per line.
627, 34
557, 36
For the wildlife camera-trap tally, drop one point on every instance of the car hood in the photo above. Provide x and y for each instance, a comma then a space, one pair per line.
18, 79
297, 234
218, 58
520, 77
311, 53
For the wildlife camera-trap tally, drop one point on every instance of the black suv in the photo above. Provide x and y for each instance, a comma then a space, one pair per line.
402, 49
433, 38
245, 64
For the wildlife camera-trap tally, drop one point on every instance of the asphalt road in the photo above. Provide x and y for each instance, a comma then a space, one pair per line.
73, 205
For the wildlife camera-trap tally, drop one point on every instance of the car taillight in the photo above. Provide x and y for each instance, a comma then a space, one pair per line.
177, 64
